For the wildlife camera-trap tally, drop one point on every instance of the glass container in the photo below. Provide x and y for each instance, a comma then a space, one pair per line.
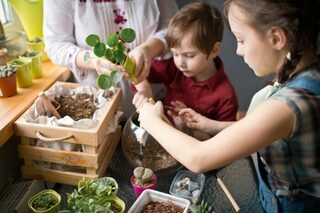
141, 149
14, 45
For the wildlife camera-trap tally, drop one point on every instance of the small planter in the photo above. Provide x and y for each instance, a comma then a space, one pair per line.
149, 196
117, 205
130, 66
46, 201
24, 72
138, 189
35, 62
37, 45
8, 86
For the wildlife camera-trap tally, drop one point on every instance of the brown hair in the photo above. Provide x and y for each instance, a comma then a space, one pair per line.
298, 19
203, 21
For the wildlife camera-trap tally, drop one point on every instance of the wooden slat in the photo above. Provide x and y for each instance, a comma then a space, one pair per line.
111, 150
70, 158
55, 176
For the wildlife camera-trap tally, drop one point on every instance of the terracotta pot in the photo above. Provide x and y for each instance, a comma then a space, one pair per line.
8, 86
139, 189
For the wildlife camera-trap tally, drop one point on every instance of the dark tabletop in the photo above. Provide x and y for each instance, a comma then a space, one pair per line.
238, 177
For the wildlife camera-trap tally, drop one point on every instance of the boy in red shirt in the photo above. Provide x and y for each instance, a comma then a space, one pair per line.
194, 77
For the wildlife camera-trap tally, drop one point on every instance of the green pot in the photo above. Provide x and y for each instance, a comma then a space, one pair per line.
35, 65
24, 71
116, 201
38, 47
130, 66
53, 209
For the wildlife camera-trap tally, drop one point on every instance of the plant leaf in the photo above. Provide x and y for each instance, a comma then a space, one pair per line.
99, 49
120, 47
116, 76
112, 40
108, 54
119, 56
104, 81
128, 35
92, 40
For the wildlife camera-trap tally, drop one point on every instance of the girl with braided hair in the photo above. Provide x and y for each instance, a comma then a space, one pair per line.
282, 126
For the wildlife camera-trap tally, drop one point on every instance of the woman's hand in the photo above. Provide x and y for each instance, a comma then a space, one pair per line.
45, 106
142, 57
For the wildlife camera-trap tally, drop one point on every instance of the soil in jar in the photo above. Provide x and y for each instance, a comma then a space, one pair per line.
155, 207
151, 155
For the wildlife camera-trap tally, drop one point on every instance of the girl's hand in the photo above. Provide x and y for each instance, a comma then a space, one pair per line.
149, 112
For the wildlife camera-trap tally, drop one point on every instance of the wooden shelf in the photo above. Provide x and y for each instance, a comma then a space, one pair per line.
13, 107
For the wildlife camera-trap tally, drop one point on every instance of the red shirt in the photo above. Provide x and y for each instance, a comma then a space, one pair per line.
214, 98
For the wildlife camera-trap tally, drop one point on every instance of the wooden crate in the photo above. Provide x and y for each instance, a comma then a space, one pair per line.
93, 162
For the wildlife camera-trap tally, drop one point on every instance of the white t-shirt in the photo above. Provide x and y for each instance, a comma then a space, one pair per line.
67, 23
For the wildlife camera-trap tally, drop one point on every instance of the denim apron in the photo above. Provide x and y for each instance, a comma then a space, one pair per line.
271, 202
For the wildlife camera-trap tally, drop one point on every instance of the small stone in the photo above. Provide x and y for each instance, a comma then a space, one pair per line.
183, 193
193, 186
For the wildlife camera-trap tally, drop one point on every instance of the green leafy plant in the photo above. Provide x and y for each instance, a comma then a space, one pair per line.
203, 207
44, 202
36, 40
29, 54
95, 195
7, 70
114, 49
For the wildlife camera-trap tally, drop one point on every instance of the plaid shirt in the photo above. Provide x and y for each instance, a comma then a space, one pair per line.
294, 162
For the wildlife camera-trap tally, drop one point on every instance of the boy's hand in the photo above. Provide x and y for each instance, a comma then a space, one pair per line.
194, 120
139, 99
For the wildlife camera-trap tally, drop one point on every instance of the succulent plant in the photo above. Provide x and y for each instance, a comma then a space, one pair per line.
143, 176
6, 71
114, 50
29, 54
204, 208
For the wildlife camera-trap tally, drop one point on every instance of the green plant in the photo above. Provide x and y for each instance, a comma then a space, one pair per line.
204, 208
143, 176
7, 70
95, 195
44, 202
29, 54
36, 40
114, 49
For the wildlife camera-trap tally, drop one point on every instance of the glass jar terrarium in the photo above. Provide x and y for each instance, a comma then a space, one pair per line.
15, 44
141, 149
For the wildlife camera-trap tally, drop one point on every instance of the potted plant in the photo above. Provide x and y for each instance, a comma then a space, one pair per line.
46, 201
95, 195
142, 179
8, 85
113, 50
37, 45
24, 72
35, 62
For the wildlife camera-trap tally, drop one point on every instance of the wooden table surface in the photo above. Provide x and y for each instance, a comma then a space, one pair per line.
13, 107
